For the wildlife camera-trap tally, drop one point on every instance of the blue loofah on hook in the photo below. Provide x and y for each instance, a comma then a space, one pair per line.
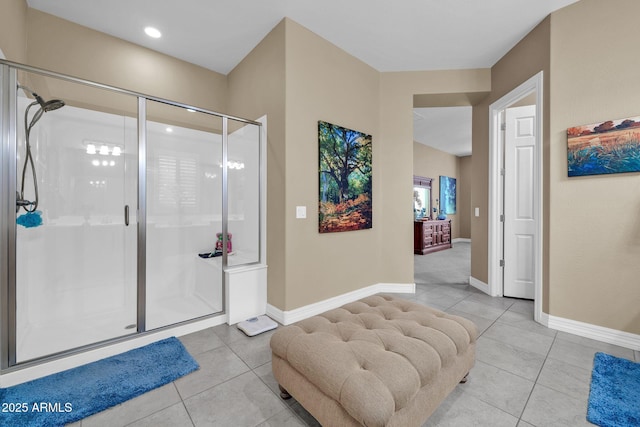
30, 219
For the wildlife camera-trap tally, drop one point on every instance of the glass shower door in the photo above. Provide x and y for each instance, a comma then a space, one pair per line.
243, 183
76, 272
183, 215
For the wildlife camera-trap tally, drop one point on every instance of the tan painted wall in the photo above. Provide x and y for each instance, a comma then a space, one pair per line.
595, 226
432, 163
256, 88
325, 83
527, 58
396, 130
465, 209
13, 29
586, 278
62, 46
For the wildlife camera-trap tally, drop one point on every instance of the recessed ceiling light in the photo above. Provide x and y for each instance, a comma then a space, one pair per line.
153, 32
169, 130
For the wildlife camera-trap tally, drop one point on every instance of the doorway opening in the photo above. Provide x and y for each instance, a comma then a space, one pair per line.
442, 147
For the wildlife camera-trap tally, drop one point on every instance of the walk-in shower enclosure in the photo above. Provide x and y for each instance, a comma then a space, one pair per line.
135, 193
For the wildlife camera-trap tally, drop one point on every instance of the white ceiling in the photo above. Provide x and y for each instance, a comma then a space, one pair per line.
447, 129
404, 35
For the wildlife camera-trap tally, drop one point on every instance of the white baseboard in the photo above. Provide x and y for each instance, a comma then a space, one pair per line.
297, 314
587, 330
479, 284
460, 239
594, 332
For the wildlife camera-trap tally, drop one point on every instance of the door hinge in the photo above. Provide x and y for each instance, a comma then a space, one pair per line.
501, 263
503, 126
502, 171
501, 218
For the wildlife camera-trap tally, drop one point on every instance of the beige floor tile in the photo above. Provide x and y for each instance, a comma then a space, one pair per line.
136, 408
464, 409
548, 407
244, 401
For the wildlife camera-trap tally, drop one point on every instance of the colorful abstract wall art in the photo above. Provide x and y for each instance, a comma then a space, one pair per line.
447, 195
609, 147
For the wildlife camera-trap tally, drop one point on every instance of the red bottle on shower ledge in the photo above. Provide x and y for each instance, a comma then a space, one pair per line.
219, 242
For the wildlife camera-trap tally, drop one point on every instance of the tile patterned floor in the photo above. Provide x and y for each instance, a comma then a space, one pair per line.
525, 374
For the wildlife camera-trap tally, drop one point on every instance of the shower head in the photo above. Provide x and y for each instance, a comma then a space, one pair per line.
50, 105
53, 104
46, 106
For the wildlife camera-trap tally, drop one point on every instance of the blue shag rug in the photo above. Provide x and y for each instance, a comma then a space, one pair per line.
614, 398
71, 395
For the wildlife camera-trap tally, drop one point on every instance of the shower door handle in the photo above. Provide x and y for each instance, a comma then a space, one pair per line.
126, 215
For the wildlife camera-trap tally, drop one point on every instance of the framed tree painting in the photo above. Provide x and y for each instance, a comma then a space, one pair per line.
447, 195
345, 179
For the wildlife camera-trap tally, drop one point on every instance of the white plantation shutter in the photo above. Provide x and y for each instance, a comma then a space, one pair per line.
177, 183
187, 170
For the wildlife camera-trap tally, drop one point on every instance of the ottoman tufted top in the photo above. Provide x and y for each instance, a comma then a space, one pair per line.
373, 355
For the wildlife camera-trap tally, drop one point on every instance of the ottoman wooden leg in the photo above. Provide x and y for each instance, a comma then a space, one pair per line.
284, 394
465, 379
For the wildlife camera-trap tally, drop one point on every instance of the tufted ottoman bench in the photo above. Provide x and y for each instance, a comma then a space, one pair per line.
379, 361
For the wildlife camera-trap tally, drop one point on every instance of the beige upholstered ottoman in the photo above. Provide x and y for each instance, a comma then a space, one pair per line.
380, 361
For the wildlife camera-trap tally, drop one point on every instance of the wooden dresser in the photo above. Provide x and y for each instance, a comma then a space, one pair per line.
431, 236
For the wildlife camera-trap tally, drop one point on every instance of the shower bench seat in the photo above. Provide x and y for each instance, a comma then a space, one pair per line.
379, 361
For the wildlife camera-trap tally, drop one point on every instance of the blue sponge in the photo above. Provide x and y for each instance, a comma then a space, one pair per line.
30, 219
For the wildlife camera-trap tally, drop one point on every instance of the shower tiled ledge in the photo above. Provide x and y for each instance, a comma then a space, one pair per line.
245, 286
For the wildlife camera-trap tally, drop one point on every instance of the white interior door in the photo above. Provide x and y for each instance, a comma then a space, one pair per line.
519, 203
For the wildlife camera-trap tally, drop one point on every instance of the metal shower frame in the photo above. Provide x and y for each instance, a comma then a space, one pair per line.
8, 185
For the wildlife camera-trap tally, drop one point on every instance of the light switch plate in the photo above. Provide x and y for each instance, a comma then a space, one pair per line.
301, 212
477, 213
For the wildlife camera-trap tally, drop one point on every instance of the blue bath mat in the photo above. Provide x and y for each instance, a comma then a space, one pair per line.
614, 398
71, 395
